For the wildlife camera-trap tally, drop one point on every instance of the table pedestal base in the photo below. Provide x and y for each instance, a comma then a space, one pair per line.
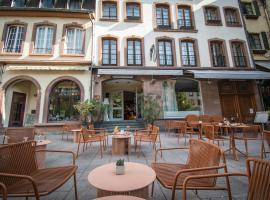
142, 193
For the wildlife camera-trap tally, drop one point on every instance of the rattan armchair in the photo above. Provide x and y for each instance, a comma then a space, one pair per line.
19, 134
251, 133
90, 136
68, 127
210, 132
204, 158
22, 177
151, 137
99, 130
3, 189
193, 126
258, 178
266, 139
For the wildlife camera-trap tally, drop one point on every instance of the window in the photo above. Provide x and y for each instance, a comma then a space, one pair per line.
44, 40
62, 97
109, 10
184, 18
165, 53
74, 41
163, 16
238, 53
188, 55
134, 52
218, 54
133, 11
232, 17
212, 15
255, 41
46, 4
75, 4
109, 52
18, 3
14, 38
247, 9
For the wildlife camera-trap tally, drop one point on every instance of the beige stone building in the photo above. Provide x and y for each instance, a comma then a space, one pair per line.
257, 23
45, 56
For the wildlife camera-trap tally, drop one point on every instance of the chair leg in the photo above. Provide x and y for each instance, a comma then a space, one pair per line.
246, 146
75, 187
100, 146
152, 191
262, 149
78, 149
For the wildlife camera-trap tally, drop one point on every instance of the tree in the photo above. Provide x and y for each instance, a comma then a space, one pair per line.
151, 109
85, 108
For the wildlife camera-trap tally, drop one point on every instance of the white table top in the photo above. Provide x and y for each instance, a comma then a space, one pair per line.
137, 176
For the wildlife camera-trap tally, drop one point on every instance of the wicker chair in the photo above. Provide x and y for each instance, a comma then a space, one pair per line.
22, 177
3, 189
89, 137
99, 130
151, 137
205, 118
251, 133
266, 138
204, 158
68, 127
210, 132
182, 129
19, 134
216, 118
193, 125
258, 178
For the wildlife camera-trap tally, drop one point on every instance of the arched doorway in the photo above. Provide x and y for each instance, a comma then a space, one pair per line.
21, 101
63, 95
124, 97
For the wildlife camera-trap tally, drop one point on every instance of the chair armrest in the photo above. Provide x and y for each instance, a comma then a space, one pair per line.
29, 178
182, 171
57, 151
168, 149
4, 191
206, 176
143, 131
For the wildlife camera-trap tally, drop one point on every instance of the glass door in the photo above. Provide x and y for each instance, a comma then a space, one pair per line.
116, 102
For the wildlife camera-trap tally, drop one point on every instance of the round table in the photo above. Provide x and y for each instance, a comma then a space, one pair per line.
135, 181
119, 197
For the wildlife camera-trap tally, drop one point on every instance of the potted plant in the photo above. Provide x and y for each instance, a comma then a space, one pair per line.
120, 167
84, 108
151, 109
98, 113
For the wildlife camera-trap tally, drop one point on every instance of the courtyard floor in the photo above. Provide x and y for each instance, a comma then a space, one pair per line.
90, 159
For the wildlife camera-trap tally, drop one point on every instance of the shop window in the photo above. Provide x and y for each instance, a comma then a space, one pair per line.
177, 100
62, 97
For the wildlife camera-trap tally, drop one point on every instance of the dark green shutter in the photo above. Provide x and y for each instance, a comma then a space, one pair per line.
257, 9
265, 40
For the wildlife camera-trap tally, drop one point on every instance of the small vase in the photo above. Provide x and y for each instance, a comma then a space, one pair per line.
120, 170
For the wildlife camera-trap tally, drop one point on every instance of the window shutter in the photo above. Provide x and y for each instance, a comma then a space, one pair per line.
250, 40
257, 9
265, 40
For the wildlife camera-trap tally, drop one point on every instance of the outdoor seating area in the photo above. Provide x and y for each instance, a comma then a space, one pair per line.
171, 167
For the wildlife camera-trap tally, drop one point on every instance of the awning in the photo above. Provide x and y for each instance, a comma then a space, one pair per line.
264, 64
226, 74
155, 72
60, 68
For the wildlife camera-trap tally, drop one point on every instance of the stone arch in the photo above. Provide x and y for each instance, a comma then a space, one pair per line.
18, 79
49, 88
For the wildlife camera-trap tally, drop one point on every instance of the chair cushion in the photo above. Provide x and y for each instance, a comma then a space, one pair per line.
47, 181
167, 171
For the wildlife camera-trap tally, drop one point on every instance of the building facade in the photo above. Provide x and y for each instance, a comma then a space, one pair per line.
174, 51
192, 56
45, 56
257, 23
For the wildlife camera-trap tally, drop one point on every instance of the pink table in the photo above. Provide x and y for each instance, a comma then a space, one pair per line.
135, 181
119, 197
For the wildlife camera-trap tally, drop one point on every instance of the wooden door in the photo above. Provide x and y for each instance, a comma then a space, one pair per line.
17, 109
247, 108
229, 106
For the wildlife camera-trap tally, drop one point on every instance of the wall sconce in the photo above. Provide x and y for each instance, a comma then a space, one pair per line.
209, 82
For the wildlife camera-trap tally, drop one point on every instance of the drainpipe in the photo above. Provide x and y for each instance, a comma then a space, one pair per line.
92, 17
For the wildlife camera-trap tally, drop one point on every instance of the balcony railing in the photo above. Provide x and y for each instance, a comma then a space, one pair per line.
43, 50
240, 61
219, 61
185, 24
73, 51
12, 50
